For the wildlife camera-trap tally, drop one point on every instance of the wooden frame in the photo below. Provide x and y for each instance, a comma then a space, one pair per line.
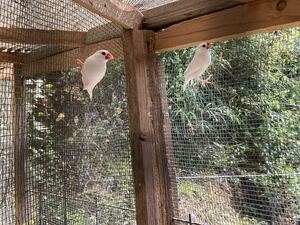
37, 36
182, 10
11, 58
19, 144
255, 17
209, 20
153, 202
119, 13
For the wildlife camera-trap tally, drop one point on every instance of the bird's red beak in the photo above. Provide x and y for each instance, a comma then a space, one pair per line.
109, 57
209, 45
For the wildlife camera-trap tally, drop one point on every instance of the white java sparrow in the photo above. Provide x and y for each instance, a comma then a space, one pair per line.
93, 69
198, 65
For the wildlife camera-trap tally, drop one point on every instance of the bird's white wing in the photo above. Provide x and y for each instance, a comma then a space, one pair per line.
92, 72
192, 67
198, 65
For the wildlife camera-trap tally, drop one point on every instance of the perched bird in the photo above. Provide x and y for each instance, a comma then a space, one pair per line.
93, 69
198, 65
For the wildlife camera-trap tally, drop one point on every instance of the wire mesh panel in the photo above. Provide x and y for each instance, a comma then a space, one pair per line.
235, 141
78, 156
7, 188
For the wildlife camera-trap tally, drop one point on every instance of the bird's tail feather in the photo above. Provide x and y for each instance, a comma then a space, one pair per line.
90, 91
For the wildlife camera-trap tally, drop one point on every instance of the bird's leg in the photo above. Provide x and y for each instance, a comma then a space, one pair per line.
206, 81
79, 62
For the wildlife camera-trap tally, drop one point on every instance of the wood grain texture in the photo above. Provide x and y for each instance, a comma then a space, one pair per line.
36, 36
6, 57
103, 32
181, 10
66, 59
146, 130
255, 17
19, 145
166, 132
119, 13
141, 132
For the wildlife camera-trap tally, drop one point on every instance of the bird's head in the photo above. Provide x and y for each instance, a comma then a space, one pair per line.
106, 55
206, 45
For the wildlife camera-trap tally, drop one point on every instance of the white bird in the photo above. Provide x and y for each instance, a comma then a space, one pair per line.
93, 69
198, 65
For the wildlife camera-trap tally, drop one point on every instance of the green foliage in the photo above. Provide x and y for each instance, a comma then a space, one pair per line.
247, 121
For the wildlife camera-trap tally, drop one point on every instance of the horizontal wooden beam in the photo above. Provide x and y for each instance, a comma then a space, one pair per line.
36, 36
11, 58
255, 17
119, 13
175, 12
103, 32
66, 59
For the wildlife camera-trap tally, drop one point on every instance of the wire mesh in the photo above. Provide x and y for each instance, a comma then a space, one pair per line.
7, 188
77, 156
143, 5
234, 143
78, 151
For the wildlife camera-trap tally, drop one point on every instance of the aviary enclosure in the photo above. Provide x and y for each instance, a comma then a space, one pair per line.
144, 151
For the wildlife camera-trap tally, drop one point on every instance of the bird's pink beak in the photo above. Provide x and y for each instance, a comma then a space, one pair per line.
209, 45
109, 57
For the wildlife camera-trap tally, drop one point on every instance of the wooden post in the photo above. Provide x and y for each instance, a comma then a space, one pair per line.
18, 143
153, 200
172, 183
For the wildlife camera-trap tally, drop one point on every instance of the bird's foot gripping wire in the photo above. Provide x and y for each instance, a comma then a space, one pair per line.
206, 81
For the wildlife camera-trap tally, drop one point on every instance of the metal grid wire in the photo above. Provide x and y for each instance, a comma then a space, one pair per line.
78, 154
7, 189
50, 15
143, 5
235, 143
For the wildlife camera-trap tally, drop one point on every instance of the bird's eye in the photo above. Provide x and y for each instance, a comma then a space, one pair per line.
203, 46
103, 53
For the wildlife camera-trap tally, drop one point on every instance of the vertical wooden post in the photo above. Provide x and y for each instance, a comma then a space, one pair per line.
153, 200
172, 183
18, 143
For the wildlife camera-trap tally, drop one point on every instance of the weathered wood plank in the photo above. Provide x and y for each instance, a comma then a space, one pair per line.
181, 10
103, 32
6, 57
255, 17
166, 132
66, 59
6, 71
36, 36
146, 130
18, 143
120, 13
141, 132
